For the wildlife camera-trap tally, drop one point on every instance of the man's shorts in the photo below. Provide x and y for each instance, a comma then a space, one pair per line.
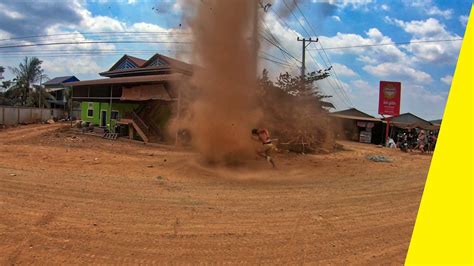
268, 148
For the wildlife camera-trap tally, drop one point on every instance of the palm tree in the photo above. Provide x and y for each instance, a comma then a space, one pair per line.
27, 73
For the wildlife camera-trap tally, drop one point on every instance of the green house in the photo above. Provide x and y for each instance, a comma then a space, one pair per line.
137, 96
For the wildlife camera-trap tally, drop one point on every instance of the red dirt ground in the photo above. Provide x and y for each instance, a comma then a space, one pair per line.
75, 199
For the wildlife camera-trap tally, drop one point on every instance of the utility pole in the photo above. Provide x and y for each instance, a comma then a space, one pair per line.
39, 92
303, 61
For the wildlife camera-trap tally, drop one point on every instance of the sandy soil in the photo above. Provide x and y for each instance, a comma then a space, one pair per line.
78, 199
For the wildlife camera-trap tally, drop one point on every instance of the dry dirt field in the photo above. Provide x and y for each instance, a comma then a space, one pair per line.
77, 199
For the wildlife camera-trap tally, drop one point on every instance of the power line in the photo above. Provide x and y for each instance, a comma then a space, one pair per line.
342, 94
338, 81
276, 58
345, 99
61, 55
91, 51
283, 22
95, 33
274, 61
389, 44
328, 63
89, 42
267, 29
279, 47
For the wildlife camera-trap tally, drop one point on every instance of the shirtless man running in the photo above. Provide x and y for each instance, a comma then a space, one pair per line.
263, 136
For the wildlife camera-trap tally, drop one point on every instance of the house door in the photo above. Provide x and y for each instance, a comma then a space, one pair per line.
103, 118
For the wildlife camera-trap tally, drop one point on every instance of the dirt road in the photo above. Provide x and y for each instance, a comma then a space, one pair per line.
78, 199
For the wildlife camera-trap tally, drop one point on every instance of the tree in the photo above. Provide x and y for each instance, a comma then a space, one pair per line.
294, 86
27, 73
292, 108
6, 85
33, 98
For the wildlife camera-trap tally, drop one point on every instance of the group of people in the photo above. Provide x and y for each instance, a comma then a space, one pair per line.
413, 140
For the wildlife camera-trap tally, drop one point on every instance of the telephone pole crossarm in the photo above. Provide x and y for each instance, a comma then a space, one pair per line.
304, 46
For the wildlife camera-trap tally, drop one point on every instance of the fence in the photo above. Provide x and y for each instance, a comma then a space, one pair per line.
13, 115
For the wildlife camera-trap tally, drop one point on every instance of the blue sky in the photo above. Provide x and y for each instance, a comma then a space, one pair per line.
425, 70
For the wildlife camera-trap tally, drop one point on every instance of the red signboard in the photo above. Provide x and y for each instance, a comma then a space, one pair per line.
389, 98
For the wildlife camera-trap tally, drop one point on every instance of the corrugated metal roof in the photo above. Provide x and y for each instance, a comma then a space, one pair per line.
361, 118
125, 80
171, 64
60, 80
352, 112
138, 61
408, 118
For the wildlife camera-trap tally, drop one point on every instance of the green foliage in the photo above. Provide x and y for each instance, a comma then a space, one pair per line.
293, 109
27, 73
294, 85
33, 98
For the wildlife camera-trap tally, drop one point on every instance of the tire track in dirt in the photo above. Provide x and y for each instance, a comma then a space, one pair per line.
119, 210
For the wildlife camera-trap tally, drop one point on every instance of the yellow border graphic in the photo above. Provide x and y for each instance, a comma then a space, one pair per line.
444, 227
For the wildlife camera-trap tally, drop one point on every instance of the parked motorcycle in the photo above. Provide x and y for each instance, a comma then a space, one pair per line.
403, 143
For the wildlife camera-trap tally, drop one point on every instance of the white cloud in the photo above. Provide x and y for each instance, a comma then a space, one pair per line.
463, 20
448, 79
429, 30
4, 34
91, 64
345, 3
132, 2
435, 11
336, 18
399, 71
372, 55
364, 96
387, 62
422, 101
420, 28
343, 70
5, 11
429, 8
385, 7
286, 37
62, 65
99, 23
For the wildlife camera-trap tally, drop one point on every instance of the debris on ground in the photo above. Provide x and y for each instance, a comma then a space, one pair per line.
50, 121
379, 159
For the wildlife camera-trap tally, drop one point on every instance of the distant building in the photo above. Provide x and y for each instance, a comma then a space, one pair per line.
409, 120
58, 89
352, 124
436, 122
137, 94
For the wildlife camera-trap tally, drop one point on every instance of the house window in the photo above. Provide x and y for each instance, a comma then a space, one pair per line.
114, 115
126, 65
158, 62
90, 110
